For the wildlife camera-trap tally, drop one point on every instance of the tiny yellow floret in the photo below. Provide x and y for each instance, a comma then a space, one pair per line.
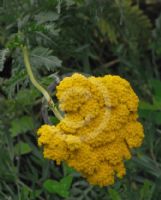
99, 127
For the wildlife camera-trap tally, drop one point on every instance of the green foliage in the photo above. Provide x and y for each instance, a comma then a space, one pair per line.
97, 37
147, 190
61, 188
114, 194
22, 148
43, 58
3, 54
21, 125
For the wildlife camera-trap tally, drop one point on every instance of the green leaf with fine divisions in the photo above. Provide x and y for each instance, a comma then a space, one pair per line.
44, 17
106, 28
26, 96
42, 57
22, 125
61, 188
22, 148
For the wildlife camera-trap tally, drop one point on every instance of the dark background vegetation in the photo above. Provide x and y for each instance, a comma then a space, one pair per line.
96, 37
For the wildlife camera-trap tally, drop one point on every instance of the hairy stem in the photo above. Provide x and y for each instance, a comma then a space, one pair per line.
37, 85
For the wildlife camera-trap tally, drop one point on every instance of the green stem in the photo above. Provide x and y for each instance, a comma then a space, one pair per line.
38, 86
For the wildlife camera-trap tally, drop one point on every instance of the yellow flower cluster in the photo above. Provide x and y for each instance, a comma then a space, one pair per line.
98, 129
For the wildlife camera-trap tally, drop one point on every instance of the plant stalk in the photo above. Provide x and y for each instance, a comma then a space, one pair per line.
38, 86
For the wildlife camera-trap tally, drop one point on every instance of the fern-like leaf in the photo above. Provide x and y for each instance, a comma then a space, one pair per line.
44, 17
123, 20
42, 57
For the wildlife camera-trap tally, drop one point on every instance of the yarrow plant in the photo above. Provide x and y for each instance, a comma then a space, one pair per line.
99, 128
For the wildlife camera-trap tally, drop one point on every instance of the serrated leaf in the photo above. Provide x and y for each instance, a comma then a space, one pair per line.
23, 21
26, 96
51, 29
42, 57
22, 125
61, 188
22, 148
106, 28
44, 17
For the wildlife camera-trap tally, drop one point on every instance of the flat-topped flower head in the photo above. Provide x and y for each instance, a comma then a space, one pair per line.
99, 127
